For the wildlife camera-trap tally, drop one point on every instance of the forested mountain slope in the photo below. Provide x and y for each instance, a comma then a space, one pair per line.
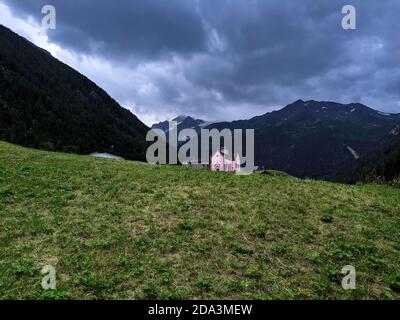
46, 104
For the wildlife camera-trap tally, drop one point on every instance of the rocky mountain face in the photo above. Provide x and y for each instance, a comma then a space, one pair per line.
183, 122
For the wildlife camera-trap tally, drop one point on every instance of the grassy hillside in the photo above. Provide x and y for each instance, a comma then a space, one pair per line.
120, 229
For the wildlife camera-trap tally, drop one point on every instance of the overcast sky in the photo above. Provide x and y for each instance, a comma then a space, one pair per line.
222, 59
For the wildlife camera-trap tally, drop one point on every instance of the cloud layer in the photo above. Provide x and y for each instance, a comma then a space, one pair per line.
228, 59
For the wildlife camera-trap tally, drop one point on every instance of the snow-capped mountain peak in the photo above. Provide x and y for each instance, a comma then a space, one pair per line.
183, 122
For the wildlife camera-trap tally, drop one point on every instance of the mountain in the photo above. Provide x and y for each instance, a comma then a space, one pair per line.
315, 139
48, 105
183, 122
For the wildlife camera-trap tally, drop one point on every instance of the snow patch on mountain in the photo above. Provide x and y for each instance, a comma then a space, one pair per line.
353, 152
395, 131
179, 119
205, 124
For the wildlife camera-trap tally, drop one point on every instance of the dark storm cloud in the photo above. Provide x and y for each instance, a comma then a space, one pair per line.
287, 43
218, 54
122, 28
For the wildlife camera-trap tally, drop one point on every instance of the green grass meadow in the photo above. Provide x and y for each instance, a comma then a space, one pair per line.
129, 230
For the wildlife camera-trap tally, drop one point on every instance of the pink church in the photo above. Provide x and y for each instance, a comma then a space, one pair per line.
220, 162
